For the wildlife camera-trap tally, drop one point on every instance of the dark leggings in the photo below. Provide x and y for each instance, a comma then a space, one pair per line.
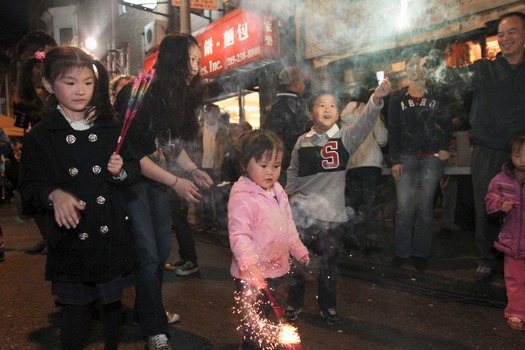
73, 324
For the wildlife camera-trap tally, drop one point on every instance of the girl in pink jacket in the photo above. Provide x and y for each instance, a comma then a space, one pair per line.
505, 196
262, 231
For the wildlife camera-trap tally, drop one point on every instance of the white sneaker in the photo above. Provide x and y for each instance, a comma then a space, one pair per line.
158, 342
172, 317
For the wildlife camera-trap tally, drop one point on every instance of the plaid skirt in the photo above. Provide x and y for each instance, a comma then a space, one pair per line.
79, 293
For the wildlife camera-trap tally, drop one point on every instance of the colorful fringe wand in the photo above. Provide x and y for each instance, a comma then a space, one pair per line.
140, 86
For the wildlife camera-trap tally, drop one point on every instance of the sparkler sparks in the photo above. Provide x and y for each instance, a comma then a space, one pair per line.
257, 327
140, 86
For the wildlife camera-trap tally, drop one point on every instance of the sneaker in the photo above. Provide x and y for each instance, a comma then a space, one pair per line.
187, 269
483, 274
419, 263
172, 317
331, 317
292, 313
158, 342
370, 247
174, 265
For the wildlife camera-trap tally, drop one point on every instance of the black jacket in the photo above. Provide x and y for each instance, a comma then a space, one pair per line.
57, 156
288, 118
498, 101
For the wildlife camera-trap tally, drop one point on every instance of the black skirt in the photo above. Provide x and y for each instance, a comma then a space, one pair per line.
78, 293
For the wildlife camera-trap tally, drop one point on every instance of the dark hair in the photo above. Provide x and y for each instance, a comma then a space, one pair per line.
101, 94
516, 140
521, 15
257, 143
176, 103
60, 60
315, 95
210, 106
34, 41
113, 84
28, 107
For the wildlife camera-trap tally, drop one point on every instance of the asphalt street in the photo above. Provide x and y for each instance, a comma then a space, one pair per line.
378, 312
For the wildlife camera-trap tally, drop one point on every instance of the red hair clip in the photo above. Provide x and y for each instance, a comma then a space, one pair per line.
40, 55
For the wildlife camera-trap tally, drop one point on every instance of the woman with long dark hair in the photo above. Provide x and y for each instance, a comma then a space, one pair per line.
167, 119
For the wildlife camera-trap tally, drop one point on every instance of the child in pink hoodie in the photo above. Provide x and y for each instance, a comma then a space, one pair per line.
262, 231
505, 198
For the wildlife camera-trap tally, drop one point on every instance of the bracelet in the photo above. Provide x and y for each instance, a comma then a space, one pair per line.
191, 172
176, 180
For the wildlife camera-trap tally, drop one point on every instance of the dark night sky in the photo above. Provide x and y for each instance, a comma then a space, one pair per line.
13, 21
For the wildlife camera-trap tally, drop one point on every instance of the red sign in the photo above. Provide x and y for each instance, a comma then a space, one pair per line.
237, 39
149, 61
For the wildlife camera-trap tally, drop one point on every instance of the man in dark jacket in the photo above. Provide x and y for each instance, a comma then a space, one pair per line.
498, 109
288, 116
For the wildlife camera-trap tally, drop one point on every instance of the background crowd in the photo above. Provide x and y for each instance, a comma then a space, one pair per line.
332, 147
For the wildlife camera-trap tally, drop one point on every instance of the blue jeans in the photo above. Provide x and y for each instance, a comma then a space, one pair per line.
415, 205
179, 215
150, 214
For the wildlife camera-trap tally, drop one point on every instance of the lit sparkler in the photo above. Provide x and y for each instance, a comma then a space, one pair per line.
288, 335
261, 329
140, 86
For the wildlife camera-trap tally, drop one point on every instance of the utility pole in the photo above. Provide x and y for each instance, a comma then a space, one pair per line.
185, 22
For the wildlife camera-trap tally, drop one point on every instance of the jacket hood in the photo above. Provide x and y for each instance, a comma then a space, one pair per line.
244, 184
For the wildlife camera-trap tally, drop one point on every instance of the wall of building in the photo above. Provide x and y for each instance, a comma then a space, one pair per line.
130, 32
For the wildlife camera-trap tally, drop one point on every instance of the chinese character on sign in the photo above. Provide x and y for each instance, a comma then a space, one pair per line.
229, 37
268, 40
268, 28
208, 46
242, 31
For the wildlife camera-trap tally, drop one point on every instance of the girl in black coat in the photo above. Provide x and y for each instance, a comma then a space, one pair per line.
68, 166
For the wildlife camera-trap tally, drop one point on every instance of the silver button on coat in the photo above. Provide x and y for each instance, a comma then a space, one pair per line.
83, 236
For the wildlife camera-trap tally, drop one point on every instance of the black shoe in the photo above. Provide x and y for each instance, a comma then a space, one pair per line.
2, 255
483, 274
187, 269
371, 247
291, 313
331, 317
177, 264
398, 261
419, 263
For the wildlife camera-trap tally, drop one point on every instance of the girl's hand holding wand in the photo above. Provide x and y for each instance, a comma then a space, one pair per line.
115, 164
67, 208
256, 276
